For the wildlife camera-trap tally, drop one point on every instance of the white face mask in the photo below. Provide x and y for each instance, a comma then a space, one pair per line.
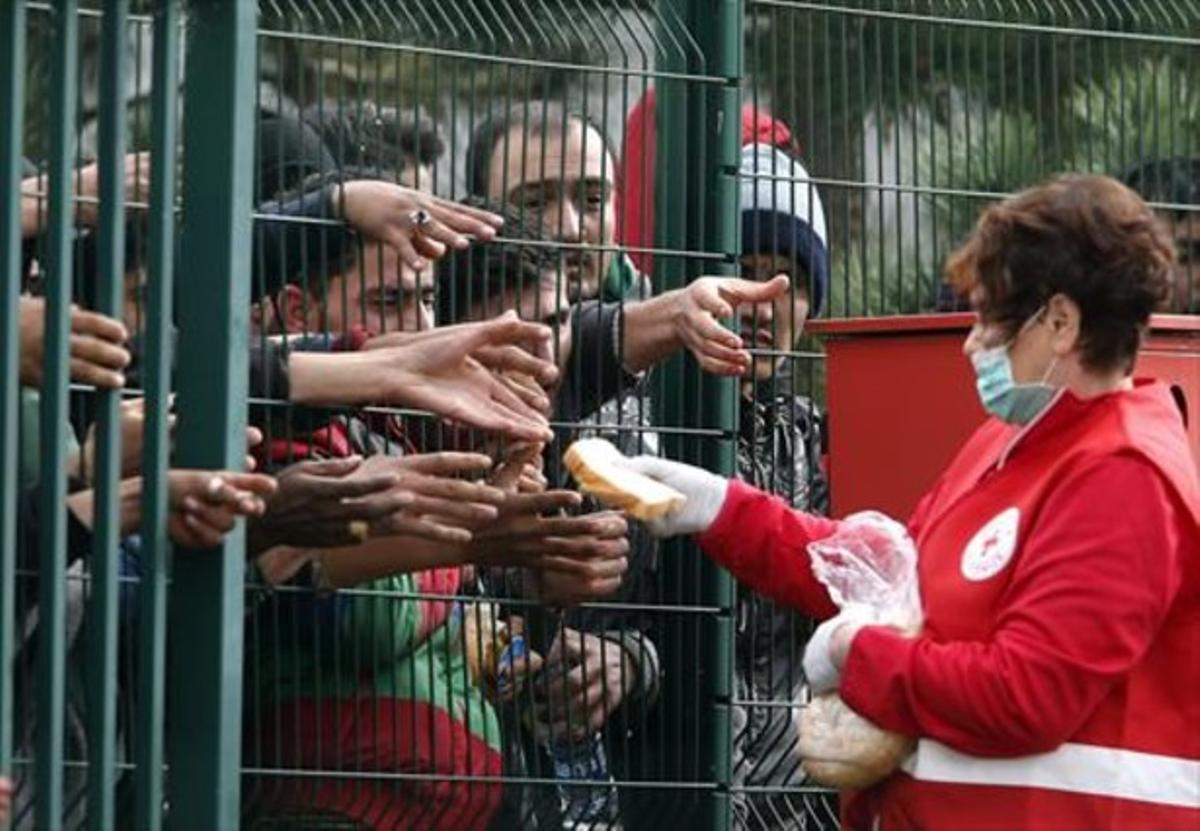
999, 392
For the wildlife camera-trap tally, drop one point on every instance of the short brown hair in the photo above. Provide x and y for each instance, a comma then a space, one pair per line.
1087, 237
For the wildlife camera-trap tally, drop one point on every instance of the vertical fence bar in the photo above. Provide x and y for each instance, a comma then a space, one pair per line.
102, 598
156, 551
697, 210
719, 31
12, 112
723, 37
206, 599
52, 560
672, 186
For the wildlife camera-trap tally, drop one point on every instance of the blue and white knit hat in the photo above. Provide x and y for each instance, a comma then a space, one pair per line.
782, 214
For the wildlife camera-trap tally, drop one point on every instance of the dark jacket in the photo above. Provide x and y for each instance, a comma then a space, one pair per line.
780, 445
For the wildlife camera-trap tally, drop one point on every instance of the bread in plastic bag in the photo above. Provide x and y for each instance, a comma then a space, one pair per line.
841, 749
871, 564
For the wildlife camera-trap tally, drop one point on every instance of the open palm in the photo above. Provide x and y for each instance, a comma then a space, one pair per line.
439, 371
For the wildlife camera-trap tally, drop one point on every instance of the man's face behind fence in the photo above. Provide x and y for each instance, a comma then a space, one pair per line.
379, 294
565, 179
546, 298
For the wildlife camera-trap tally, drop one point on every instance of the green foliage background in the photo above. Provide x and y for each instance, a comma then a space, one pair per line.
957, 103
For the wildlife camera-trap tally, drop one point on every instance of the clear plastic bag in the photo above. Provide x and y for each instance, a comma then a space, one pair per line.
870, 564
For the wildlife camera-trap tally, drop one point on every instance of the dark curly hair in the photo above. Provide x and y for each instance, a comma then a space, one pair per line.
379, 139
1174, 180
1089, 238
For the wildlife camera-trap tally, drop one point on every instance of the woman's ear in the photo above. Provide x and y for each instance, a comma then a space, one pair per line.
1064, 317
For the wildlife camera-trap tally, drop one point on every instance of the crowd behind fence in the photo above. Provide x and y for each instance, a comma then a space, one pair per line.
297, 232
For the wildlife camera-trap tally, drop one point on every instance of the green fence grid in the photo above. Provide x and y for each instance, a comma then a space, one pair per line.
153, 687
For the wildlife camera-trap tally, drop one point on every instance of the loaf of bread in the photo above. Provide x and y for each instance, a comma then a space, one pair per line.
841, 749
595, 464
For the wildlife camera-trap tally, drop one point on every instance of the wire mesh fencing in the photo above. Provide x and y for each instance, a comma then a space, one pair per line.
221, 178
394, 715
916, 114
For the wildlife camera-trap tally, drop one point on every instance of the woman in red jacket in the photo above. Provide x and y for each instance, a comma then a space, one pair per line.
1056, 683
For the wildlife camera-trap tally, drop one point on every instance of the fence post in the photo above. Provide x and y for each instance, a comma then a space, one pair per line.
101, 629
206, 598
156, 360
12, 111
719, 31
696, 210
52, 477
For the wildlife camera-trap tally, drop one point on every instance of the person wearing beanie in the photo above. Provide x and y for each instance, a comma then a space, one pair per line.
783, 231
779, 448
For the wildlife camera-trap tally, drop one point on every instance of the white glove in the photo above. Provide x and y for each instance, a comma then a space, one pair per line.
705, 494
819, 670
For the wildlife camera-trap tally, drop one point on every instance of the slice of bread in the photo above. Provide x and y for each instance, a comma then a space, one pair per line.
595, 464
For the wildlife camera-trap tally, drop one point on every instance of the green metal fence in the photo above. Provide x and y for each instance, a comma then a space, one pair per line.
152, 686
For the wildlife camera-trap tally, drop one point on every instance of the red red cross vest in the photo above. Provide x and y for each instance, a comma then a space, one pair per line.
1135, 762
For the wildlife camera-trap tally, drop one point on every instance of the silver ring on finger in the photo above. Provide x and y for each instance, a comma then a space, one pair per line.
419, 218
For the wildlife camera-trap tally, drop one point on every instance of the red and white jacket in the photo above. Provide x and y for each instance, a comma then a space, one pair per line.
1056, 683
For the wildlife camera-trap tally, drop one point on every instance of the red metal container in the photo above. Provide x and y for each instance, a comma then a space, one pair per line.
901, 400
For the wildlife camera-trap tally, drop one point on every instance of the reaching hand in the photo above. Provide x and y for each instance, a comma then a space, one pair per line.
701, 307
589, 677
527, 533
137, 181
590, 578
440, 507
595, 579
415, 224
205, 504
97, 348
133, 421
527, 361
318, 503
522, 469
531, 364
439, 371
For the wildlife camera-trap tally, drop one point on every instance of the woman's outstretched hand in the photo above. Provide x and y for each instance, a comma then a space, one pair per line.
705, 493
